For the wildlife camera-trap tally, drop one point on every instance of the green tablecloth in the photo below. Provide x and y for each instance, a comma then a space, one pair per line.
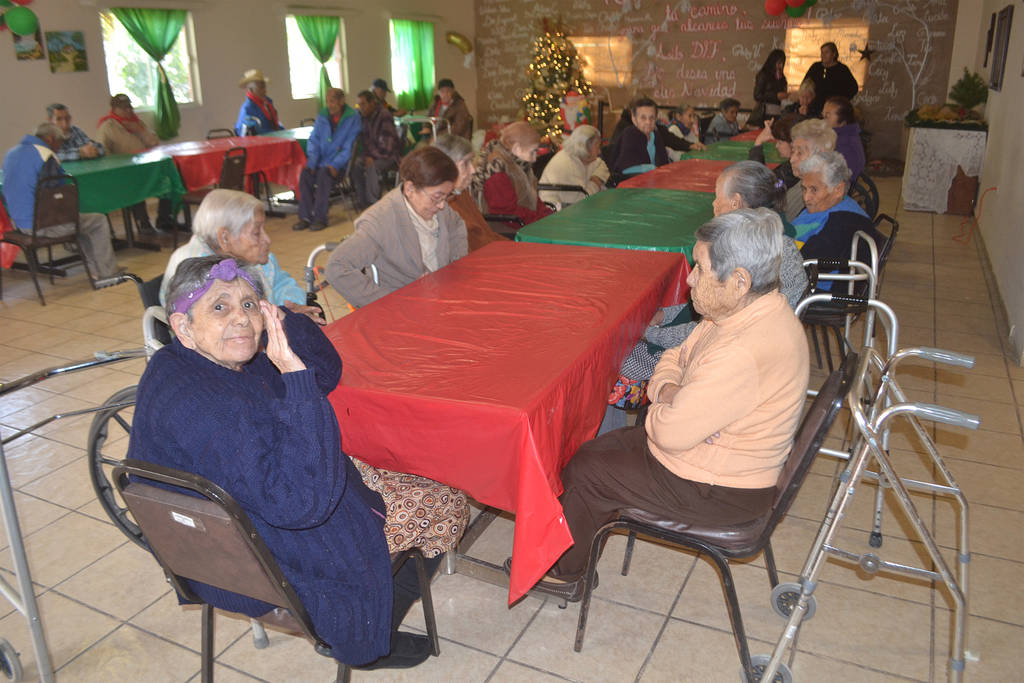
300, 135
648, 219
734, 150
119, 180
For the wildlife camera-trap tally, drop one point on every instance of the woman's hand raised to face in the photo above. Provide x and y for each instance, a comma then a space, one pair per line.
278, 350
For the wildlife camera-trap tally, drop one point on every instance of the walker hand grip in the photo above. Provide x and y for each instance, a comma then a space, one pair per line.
948, 357
116, 280
849, 300
957, 418
833, 263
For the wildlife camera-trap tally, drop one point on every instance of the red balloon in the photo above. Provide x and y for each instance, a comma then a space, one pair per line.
794, 3
22, 2
774, 7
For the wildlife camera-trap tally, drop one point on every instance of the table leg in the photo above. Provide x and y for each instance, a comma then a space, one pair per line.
461, 562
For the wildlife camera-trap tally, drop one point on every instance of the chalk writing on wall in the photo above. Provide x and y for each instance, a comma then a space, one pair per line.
700, 52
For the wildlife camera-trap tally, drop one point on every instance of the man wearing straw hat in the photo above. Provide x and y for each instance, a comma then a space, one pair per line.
257, 114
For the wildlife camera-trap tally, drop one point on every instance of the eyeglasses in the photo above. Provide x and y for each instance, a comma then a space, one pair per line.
437, 198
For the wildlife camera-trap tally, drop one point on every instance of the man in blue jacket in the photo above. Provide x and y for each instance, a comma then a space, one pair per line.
34, 158
257, 114
327, 154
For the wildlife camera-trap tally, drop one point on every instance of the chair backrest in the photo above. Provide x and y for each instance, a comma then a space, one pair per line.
197, 531
811, 433
865, 193
154, 326
215, 133
56, 201
232, 170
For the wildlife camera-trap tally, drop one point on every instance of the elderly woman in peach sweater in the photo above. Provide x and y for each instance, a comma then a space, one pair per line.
726, 403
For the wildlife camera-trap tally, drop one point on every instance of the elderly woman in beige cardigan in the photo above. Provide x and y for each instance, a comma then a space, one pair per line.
410, 232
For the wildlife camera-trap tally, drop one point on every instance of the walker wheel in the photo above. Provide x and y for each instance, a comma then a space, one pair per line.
875, 539
760, 662
785, 597
10, 664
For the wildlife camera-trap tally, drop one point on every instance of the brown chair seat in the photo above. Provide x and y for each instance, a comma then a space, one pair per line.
735, 540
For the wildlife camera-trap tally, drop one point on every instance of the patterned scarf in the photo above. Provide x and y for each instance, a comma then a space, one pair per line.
495, 158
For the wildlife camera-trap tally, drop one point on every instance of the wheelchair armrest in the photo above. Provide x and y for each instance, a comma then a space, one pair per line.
504, 218
560, 187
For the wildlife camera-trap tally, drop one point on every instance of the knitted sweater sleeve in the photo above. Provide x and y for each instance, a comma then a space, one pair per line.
314, 348
279, 456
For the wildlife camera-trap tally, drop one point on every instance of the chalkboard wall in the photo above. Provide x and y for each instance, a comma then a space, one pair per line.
700, 52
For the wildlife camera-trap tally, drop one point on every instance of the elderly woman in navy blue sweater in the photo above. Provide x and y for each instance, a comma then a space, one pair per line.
258, 424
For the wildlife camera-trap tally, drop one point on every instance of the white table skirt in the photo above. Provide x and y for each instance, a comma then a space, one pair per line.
933, 155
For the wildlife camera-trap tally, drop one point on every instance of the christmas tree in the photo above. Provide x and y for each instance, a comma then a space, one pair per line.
554, 71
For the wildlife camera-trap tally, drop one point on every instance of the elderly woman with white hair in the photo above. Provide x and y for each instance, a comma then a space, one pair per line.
231, 223
825, 228
810, 136
743, 185
725, 404
460, 150
578, 163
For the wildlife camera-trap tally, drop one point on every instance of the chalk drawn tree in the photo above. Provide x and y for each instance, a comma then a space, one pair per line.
915, 63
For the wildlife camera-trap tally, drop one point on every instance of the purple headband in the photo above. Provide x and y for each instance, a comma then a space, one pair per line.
227, 270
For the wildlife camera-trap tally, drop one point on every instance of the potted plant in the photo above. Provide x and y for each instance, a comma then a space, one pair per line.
960, 113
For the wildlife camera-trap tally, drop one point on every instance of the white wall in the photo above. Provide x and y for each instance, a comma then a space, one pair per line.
1000, 219
231, 36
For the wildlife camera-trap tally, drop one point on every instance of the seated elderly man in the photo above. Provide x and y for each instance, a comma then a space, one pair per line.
35, 158
231, 224
825, 228
257, 113
77, 145
327, 153
257, 422
726, 403
379, 148
122, 132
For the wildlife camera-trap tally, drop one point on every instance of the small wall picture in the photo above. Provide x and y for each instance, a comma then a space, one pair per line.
29, 47
67, 51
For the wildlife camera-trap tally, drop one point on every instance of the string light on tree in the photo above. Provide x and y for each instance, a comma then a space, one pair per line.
555, 70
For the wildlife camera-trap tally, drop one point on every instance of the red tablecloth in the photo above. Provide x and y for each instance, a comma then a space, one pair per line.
698, 175
199, 161
488, 375
748, 135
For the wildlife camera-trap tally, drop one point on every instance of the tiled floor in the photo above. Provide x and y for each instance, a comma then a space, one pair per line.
108, 614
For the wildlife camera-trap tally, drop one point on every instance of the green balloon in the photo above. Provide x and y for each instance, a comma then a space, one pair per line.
810, 3
796, 11
21, 20
6, 3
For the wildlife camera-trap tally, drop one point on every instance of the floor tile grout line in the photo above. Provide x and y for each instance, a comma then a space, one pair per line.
668, 619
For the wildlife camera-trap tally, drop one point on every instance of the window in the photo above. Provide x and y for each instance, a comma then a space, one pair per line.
131, 71
607, 60
303, 67
412, 62
803, 47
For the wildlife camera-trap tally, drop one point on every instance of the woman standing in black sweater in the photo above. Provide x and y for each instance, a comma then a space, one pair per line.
770, 88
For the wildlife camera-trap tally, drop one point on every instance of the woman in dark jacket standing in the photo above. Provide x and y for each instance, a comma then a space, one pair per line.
770, 88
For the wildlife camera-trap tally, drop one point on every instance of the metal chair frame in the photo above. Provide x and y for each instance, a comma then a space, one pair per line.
56, 203
809, 437
180, 528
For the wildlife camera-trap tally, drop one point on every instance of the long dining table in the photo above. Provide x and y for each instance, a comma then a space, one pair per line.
281, 159
488, 374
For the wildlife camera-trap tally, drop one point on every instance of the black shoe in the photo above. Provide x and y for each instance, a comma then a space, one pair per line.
301, 225
317, 226
570, 591
146, 228
407, 650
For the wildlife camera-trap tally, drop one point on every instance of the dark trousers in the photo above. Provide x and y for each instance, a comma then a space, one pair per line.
315, 194
617, 471
407, 587
163, 213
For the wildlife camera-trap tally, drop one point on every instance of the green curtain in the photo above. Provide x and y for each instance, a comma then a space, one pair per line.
156, 30
320, 34
412, 63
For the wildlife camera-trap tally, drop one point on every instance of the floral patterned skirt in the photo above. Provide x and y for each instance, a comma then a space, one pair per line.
420, 513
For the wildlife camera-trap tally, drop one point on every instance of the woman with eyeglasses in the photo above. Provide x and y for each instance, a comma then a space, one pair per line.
410, 232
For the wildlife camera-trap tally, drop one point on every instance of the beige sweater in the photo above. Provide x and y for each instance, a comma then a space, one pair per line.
744, 380
119, 140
